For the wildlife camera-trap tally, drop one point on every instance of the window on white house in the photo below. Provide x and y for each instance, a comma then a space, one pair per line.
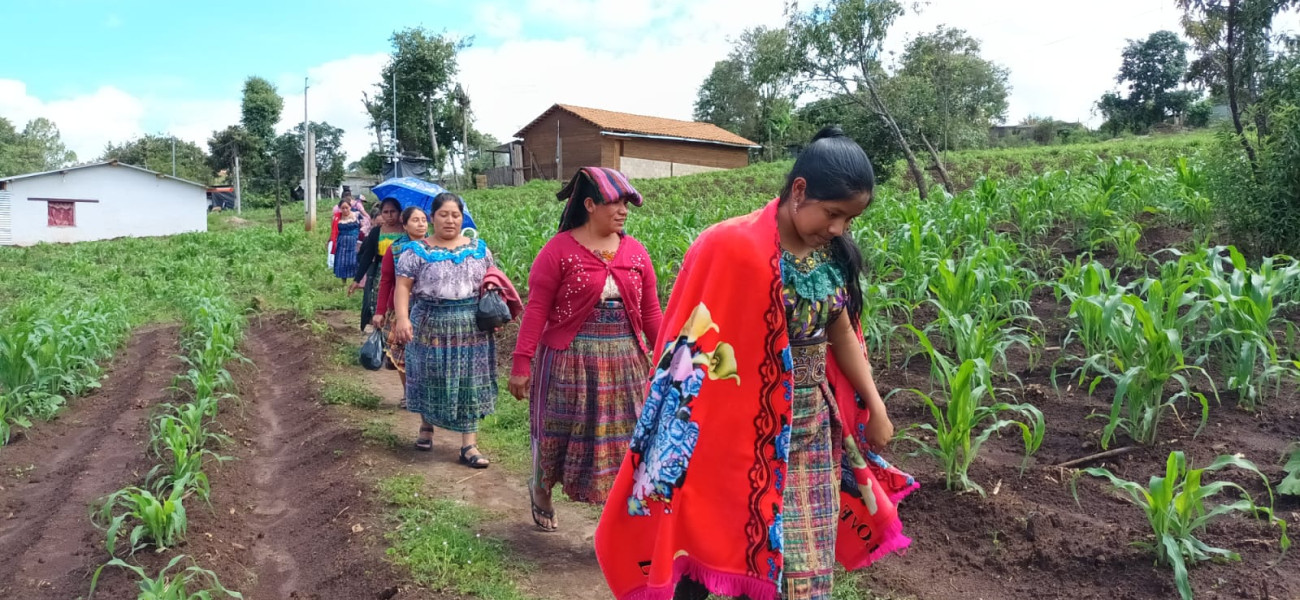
62, 214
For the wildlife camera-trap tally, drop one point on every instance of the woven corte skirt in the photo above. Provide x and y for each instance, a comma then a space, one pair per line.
370, 298
451, 366
345, 251
584, 405
812, 499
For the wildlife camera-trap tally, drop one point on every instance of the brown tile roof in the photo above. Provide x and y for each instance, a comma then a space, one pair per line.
639, 124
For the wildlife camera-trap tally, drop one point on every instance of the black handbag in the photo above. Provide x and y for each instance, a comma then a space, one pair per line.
492, 311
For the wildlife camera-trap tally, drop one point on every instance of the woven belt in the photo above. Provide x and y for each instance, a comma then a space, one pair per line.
809, 364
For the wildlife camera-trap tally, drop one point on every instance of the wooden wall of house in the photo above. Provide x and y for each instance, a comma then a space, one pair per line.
706, 155
582, 147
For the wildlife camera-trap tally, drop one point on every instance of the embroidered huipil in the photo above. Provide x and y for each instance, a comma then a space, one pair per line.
568, 280
445, 274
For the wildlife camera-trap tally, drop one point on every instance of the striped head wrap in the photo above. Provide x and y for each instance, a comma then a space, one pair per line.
611, 185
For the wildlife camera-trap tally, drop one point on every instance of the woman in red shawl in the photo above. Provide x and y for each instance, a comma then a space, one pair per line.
752, 468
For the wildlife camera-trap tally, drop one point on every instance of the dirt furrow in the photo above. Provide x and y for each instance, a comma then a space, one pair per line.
48, 547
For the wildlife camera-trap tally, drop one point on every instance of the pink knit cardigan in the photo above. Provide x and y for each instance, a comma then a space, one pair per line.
564, 286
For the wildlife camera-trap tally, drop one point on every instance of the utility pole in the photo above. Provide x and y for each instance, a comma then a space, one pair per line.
239, 206
311, 179
173, 156
309, 194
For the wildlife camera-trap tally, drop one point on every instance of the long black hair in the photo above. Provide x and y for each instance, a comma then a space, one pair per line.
836, 169
409, 212
575, 213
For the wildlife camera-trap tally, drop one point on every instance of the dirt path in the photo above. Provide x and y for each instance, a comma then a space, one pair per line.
564, 563
293, 515
48, 547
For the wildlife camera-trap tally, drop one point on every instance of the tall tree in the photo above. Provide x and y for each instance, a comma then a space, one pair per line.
331, 160
838, 46
228, 143
753, 91
1153, 70
261, 108
154, 152
425, 67
38, 147
1236, 41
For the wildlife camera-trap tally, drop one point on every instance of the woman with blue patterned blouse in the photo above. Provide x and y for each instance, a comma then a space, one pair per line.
450, 364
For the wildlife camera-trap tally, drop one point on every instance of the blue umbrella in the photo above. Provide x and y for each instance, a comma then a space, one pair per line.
412, 191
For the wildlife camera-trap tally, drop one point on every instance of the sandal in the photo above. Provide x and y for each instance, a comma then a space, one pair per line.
424, 445
402, 403
539, 514
478, 461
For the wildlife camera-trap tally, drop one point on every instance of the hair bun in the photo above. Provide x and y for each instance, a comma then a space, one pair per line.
829, 131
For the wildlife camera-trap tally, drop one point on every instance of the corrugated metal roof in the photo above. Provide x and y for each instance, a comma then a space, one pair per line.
109, 163
617, 122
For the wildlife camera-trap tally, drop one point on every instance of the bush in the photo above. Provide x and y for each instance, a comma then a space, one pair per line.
1198, 114
1261, 207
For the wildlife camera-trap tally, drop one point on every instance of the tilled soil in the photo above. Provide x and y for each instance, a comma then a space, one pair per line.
52, 474
292, 516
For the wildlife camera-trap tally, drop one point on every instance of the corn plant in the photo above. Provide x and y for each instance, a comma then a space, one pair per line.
170, 587
1290, 484
1245, 306
1145, 354
160, 522
958, 419
183, 454
1176, 509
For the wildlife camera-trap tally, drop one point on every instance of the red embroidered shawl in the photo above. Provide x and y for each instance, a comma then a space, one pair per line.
700, 491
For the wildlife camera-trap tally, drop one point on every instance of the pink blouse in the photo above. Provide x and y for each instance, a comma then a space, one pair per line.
564, 286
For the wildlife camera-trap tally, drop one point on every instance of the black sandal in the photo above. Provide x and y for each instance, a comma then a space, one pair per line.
425, 445
478, 461
539, 514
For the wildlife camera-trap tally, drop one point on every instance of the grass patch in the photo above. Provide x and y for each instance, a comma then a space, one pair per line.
504, 435
342, 391
437, 539
379, 431
345, 355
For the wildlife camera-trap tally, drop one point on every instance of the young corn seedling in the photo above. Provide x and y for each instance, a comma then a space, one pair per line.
1176, 508
1147, 354
962, 422
158, 522
171, 587
1290, 484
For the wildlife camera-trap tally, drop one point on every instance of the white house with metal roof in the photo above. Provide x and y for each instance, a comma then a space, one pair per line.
98, 201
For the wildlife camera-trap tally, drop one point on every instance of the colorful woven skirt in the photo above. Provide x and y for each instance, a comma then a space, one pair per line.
345, 251
584, 405
812, 498
451, 366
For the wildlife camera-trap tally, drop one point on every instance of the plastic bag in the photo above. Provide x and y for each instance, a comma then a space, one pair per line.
372, 352
329, 254
492, 311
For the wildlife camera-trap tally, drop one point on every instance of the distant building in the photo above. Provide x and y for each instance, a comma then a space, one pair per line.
565, 138
98, 201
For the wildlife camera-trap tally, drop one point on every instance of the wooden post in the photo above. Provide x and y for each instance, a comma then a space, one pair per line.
279, 222
559, 152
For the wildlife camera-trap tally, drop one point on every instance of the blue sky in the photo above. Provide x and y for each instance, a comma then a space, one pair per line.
113, 70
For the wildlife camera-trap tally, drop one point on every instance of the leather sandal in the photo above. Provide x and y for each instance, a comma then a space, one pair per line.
478, 461
539, 514
424, 445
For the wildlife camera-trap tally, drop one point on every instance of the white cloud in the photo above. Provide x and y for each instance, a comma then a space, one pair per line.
335, 97
86, 122
113, 22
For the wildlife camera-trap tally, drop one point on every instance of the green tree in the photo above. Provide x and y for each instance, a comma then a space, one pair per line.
1152, 70
260, 109
425, 67
1236, 42
154, 152
228, 143
862, 125
331, 160
955, 94
728, 99
838, 46
38, 147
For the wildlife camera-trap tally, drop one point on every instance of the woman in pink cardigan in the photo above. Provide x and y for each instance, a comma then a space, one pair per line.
593, 313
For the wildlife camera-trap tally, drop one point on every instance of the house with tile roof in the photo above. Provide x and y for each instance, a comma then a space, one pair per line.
564, 138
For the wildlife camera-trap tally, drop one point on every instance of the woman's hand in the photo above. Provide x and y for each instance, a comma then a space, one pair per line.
353, 288
880, 430
402, 332
377, 322
519, 385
